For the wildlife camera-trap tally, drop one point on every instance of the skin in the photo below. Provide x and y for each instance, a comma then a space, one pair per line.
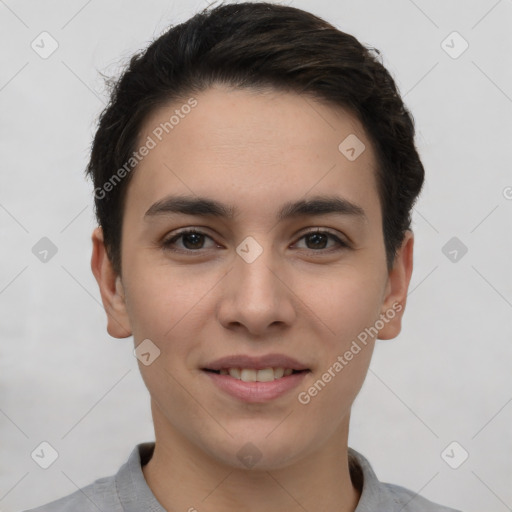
254, 151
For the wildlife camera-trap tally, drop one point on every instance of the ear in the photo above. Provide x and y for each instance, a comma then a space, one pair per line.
111, 288
395, 297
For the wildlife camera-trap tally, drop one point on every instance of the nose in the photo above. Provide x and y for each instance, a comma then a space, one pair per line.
257, 296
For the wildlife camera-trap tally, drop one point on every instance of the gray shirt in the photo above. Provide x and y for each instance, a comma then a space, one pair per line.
127, 491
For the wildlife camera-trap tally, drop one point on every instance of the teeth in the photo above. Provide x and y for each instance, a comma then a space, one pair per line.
278, 372
252, 375
266, 375
249, 375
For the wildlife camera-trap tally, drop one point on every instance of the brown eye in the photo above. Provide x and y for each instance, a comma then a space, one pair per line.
191, 240
317, 241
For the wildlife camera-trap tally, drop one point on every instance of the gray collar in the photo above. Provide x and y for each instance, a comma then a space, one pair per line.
135, 494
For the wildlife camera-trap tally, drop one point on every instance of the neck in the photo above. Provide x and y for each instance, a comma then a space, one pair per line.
185, 478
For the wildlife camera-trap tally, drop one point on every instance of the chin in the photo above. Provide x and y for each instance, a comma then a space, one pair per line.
259, 452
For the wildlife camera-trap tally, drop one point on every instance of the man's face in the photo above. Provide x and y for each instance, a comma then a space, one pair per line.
254, 284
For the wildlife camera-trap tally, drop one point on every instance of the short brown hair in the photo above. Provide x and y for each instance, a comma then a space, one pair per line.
259, 45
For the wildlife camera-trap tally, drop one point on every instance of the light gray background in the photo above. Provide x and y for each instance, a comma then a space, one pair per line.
446, 377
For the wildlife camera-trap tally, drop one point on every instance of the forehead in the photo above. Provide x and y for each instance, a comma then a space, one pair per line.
253, 150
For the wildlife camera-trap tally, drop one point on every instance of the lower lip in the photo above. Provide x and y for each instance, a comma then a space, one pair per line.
254, 392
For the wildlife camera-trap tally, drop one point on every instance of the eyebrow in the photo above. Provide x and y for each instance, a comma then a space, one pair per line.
204, 207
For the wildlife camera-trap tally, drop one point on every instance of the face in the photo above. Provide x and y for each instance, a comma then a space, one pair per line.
263, 278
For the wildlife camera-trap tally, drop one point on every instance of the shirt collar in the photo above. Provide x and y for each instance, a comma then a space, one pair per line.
132, 488
374, 495
135, 494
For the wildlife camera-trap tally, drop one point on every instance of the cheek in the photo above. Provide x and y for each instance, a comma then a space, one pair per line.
345, 356
161, 302
167, 310
331, 394
344, 301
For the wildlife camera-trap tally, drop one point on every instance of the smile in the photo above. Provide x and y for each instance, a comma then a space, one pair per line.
256, 386
253, 375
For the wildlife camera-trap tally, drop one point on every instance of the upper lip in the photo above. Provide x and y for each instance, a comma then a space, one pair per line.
257, 363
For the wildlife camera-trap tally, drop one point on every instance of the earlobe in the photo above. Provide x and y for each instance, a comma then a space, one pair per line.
393, 306
111, 288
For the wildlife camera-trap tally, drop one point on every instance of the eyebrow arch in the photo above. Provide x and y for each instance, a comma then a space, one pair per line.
201, 206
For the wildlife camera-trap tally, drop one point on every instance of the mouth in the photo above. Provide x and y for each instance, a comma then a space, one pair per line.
256, 385
257, 375
256, 378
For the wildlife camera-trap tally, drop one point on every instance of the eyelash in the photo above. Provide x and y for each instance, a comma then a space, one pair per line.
168, 243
